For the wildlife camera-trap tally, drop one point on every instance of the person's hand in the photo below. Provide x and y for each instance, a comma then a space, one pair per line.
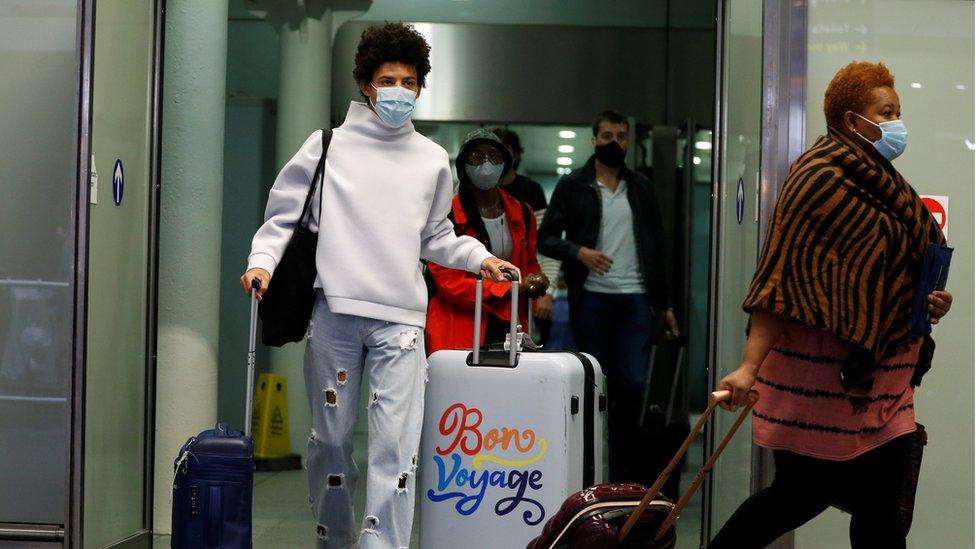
536, 285
739, 383
492, 268
673, 331
260, 274
940, 301
543, 307
595, 260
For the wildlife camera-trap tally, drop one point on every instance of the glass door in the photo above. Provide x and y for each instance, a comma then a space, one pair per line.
120, 315
39, 153
735, 236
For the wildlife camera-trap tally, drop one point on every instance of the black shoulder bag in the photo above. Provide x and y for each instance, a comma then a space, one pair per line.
286, 307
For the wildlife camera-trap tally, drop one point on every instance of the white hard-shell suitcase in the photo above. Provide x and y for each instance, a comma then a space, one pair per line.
508, 435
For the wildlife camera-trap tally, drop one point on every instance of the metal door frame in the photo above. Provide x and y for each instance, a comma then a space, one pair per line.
152, 288
718, 135
72, 535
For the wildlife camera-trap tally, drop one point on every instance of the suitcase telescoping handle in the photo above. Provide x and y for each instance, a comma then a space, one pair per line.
251, 347
681, 342
512, 275
713, 401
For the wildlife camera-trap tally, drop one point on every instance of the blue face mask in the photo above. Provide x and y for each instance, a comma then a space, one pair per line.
394, 105
894, 138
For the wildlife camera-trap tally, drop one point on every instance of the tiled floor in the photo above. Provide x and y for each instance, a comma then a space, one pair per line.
282, 519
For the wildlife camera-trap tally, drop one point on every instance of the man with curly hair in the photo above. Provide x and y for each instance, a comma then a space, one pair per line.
385, 196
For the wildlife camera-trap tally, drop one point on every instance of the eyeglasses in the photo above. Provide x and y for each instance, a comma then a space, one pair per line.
406, 83
476, 159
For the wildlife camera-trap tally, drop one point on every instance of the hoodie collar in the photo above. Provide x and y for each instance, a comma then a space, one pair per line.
363, 120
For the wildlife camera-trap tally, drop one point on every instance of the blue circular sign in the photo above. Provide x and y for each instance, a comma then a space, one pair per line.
118, 182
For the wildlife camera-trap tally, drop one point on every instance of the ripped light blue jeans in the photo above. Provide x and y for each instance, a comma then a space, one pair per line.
341, 349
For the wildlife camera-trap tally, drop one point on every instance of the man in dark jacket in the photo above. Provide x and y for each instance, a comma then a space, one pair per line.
604, 224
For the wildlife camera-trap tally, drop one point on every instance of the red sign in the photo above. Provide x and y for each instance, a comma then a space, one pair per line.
938, 211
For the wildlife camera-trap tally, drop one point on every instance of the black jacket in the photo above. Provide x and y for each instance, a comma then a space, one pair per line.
575, 208
525, 189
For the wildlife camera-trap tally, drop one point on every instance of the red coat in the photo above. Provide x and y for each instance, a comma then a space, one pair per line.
450, 314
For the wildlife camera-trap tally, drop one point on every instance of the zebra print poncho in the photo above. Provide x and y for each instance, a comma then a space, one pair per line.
843, 252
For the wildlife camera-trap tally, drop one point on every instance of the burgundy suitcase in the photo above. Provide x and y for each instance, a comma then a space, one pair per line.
630, 515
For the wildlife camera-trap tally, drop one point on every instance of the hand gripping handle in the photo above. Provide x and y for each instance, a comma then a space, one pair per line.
512, 276
714, 400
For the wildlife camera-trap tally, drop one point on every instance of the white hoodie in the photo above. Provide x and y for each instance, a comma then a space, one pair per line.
387, 195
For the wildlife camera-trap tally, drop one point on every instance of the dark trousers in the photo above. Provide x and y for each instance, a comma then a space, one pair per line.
544, 325
616, 330
804, 487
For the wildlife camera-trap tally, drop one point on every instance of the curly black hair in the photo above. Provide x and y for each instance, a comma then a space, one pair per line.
392, 42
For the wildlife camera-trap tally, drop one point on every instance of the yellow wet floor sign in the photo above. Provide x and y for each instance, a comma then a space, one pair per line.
270, 422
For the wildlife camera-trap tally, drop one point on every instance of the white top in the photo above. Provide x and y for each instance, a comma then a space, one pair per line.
550, 267
617, 240
387, 193
499, 236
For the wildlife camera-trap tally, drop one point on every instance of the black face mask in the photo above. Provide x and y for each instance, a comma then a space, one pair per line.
611, 154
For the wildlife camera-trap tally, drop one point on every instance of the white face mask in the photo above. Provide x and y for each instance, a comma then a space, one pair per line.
484, 176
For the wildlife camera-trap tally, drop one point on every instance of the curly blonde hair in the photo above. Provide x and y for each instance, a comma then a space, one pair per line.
851, 87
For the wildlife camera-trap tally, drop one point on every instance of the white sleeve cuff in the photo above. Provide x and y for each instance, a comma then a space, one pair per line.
477, 257
261, 260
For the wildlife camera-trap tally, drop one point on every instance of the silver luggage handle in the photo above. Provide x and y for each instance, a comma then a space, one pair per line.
251, 349
513, 324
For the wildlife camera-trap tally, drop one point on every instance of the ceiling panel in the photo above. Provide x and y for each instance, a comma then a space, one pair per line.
616, 13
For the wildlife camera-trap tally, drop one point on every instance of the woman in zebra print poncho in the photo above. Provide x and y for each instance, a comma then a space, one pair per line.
829, 349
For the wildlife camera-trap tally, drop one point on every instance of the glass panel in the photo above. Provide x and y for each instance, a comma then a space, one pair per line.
699, 242
38, 148
929, 48
738, 236
118, 261
690, 255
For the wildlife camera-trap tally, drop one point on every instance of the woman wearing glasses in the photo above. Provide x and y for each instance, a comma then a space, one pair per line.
506, 227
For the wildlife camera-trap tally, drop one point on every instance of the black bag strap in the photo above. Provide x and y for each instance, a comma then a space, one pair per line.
317, 179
